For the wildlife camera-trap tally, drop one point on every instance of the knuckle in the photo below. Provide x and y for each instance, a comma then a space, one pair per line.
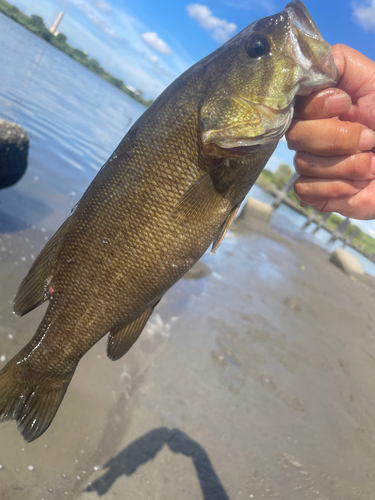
291, 140
345, 136
307, 164
299, 163
353, 167
302, 190
358, 166
292, 135
334, 189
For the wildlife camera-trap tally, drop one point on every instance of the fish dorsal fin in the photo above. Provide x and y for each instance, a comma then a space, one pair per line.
205, 195
33, 290
224, 229
123, 337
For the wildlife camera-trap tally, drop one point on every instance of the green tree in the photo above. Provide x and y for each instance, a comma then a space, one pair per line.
12, 12
117, 82
94, 66
267, 174
282, 175
79, 56
37, 20
61, 38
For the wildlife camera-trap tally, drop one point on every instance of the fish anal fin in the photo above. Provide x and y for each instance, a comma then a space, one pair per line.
206, 195
123, 337
32, 292
29, 399
224, 229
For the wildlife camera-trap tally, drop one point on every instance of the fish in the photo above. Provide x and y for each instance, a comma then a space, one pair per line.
171, 188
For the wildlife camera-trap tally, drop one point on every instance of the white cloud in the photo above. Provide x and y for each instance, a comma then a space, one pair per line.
364, 14
221, 29
155, 42
102, 6
99, 23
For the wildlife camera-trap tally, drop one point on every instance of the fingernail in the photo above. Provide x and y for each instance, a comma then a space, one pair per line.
366, 140
338, 104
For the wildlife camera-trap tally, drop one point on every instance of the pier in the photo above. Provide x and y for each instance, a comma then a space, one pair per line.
281, 196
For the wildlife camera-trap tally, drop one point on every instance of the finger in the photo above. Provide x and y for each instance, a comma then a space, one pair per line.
360, 205
315, 190
329, 137
358, 81
360, 166
356, 70
324, 104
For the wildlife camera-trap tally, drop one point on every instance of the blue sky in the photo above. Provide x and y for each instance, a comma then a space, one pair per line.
149, 43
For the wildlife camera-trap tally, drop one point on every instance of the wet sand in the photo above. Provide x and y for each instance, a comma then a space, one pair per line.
253, 379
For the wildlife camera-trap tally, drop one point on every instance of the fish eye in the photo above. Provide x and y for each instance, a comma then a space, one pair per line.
257, 46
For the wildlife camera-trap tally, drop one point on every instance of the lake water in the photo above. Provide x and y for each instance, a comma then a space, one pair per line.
75, 120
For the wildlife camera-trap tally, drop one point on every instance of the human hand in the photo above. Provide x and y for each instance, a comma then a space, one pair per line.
333, 134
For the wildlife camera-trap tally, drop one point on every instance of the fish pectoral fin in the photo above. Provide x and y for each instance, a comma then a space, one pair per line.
205, 195
123, 337
32, 292
224, 229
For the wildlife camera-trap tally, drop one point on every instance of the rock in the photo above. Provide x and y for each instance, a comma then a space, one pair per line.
257, 209
347, 262
14, 148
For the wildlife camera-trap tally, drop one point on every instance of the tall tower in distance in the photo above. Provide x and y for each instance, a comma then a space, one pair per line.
53, 30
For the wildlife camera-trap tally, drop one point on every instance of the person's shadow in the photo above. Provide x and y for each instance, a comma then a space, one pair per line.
146, 448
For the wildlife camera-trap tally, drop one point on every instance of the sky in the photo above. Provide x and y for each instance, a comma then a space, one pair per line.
149, 43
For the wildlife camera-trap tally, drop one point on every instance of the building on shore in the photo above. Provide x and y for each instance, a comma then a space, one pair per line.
53, 30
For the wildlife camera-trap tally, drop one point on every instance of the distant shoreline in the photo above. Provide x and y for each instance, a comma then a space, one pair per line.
36, 25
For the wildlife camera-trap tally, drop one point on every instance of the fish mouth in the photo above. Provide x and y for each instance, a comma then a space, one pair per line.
300, 17
311, 50
325, 74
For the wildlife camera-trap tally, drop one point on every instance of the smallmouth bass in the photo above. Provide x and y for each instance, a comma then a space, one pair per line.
171, 188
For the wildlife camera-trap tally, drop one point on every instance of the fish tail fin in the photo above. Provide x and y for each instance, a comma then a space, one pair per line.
29, 399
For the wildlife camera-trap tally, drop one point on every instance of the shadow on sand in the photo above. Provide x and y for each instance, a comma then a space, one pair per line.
146, 448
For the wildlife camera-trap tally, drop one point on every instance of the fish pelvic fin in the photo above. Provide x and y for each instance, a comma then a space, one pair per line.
123, 337
29, 398
224, 229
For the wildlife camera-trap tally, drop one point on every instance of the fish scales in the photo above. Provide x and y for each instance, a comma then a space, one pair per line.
168, 191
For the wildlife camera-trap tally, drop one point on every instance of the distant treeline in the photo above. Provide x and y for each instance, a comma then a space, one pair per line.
36, 25
363, 241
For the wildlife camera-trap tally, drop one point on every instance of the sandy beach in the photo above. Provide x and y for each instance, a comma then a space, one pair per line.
253, 379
